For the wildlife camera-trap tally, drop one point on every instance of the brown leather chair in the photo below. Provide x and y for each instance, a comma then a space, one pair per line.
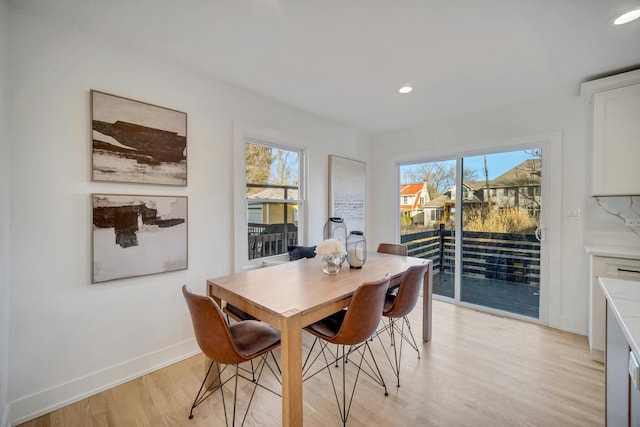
394, 249
351, 327
229, 345
396, 308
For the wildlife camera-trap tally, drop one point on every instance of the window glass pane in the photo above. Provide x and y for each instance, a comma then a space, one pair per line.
428, 229
500, 255
273, 198
271, 172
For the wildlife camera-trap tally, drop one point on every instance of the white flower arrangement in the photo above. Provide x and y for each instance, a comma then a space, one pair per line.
331, 247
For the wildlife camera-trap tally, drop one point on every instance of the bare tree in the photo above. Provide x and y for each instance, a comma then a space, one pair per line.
286, 165
439, 176
469, 175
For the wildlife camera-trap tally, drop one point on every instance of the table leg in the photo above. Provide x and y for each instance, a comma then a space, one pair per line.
291, 356
427, 291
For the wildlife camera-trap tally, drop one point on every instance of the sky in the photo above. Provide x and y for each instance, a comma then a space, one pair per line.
497, 163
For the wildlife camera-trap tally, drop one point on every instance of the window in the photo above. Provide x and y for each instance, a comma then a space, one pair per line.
456, 271
269, 195
272, 190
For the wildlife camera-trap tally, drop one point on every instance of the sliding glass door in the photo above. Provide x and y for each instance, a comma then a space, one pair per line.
500, 211
478, 217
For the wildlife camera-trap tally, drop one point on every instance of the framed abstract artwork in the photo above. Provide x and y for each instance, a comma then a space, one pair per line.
347, 180
138, 235
136, 142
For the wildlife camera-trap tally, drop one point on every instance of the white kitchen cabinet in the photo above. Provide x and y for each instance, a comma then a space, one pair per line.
617, 376
613, 262
622, 395
622, 370
615, 148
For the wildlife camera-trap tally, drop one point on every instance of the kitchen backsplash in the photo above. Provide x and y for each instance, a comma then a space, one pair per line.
605, 220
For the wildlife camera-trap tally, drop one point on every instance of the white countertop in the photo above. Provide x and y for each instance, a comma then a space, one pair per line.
623, 297
629, 252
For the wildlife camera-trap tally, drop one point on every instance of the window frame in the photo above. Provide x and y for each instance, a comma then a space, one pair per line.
247, 132
551, 215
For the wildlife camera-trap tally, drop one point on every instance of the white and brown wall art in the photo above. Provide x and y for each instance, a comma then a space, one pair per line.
137, 235
137, 142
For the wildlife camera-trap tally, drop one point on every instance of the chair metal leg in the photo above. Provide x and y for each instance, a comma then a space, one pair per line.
308, 363
413, 340
397, 354
345, 406
203, 394
394, 330
195, 401
253, 372
373, 371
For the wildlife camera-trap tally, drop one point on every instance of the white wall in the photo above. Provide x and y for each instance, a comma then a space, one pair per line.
69, 338
570, 116
4, 214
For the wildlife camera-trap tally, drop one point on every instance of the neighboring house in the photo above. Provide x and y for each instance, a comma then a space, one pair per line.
518, 188
469, 191
441, 209
412, 199
434, 210
266, 209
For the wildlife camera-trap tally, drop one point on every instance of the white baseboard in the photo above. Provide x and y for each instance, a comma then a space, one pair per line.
597, 355
45, 401
573, 325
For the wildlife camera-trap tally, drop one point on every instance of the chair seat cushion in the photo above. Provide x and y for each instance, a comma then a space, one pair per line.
329, 326
388, 303
253, 337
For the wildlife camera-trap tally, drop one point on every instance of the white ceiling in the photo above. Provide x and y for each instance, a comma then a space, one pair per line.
345, 59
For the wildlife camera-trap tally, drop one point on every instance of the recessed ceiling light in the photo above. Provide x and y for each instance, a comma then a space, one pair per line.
405, 89
625, 18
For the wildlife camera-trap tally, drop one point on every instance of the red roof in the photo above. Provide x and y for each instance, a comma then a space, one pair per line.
411, 190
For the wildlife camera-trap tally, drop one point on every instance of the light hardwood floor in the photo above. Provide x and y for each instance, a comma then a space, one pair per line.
479, 370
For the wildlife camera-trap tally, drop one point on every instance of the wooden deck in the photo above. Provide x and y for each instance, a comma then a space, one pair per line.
511, 297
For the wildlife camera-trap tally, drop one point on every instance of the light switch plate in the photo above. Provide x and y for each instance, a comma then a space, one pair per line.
573, 214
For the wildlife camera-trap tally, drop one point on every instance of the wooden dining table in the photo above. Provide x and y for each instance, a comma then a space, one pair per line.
295, 294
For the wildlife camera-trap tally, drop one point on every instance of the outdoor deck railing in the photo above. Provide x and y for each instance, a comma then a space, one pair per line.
263, 245
500, 256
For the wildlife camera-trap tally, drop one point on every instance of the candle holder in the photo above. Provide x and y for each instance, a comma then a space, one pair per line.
356, 249
335, 228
